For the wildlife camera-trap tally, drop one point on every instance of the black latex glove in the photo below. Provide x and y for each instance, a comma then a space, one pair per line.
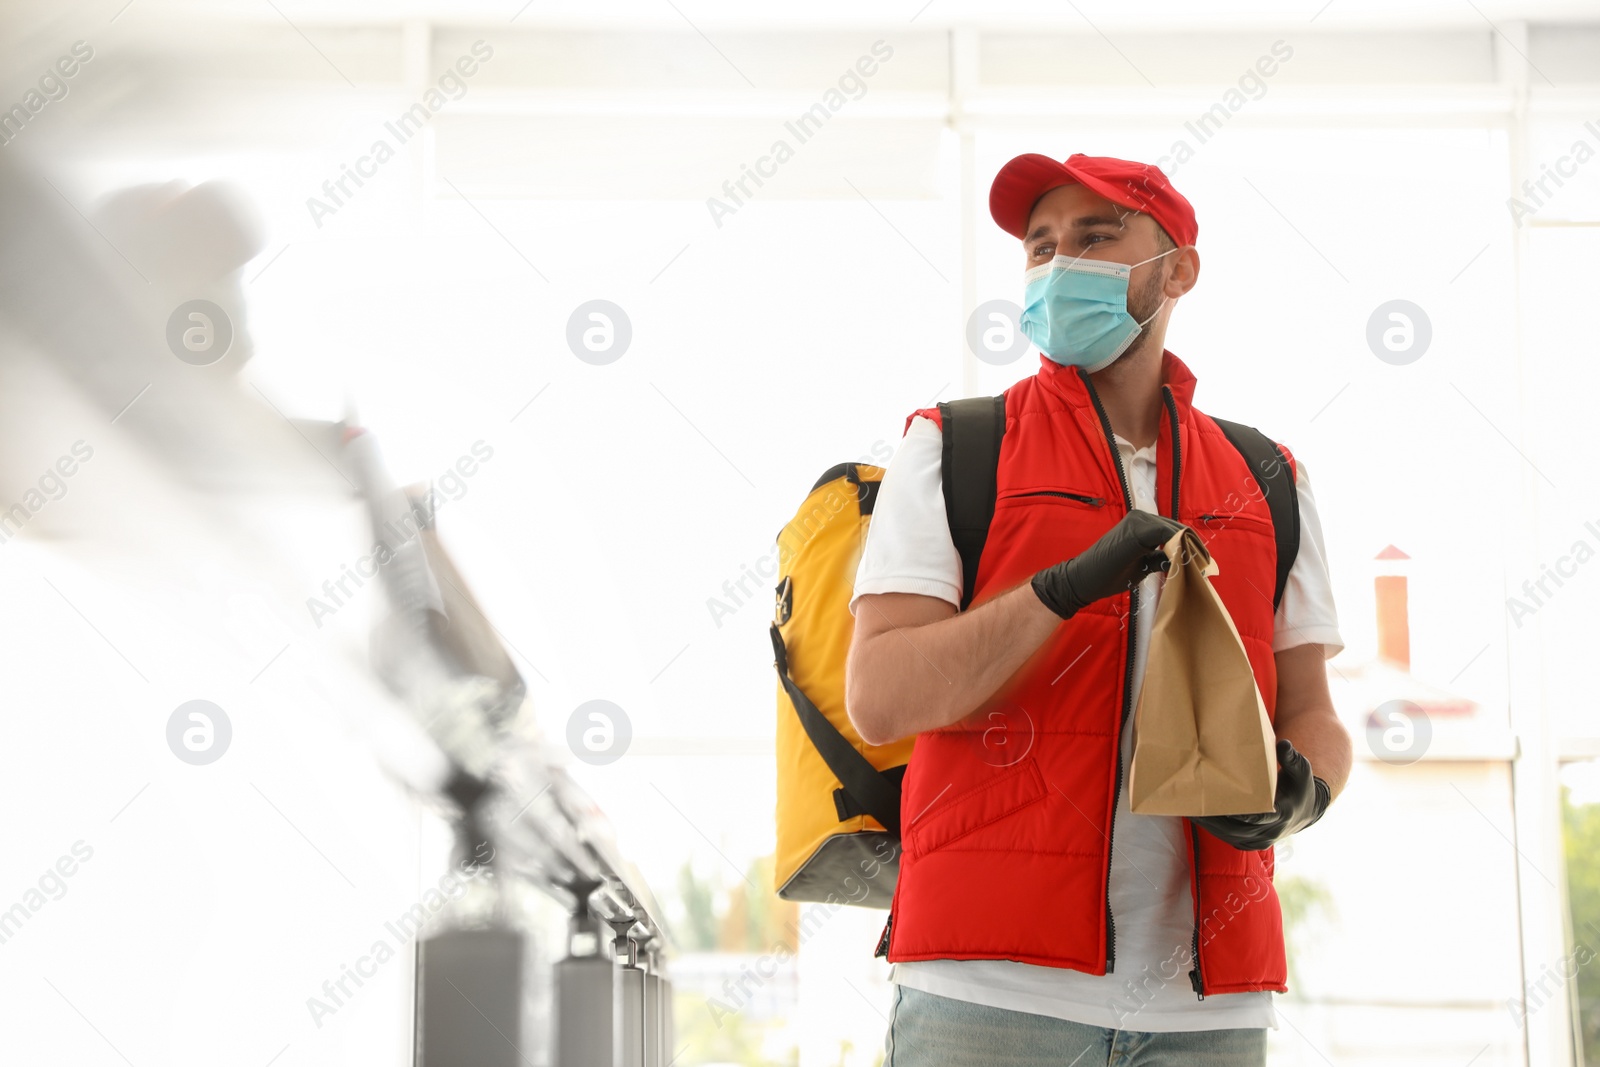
1301, 799
1124, 554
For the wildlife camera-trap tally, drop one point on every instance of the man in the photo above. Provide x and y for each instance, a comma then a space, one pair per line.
1036, 918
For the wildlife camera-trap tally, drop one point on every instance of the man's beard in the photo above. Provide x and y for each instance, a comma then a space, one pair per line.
1143, 306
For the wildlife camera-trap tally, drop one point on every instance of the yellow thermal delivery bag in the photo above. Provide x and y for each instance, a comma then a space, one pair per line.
838, 815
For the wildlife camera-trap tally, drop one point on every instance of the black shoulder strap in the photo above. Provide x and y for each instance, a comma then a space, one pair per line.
874, 793
972, 429
1272, 473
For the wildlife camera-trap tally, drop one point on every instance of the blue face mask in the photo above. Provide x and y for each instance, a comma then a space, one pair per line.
1076, 310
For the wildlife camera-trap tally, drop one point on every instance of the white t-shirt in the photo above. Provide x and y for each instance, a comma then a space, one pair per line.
909, 550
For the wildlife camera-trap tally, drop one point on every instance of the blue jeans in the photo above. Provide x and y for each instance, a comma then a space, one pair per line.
927, 1030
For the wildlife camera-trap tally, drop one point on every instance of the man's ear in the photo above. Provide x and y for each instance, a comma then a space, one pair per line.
1185, 272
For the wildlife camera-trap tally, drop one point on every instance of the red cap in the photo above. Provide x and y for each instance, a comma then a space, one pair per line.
1140, 186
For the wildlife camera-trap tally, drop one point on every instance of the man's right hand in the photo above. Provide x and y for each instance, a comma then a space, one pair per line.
1124, 554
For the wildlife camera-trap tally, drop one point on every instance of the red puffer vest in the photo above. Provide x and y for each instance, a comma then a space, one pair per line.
1008, 814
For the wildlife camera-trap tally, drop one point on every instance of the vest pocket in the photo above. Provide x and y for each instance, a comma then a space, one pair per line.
1210, 522
1052, 494
952, 817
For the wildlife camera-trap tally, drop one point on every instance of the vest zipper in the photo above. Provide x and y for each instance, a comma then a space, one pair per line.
1127, 679
1177, 445
883, 939
1194, 974
1177, 471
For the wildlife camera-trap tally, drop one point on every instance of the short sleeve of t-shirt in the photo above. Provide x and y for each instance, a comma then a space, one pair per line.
909, 549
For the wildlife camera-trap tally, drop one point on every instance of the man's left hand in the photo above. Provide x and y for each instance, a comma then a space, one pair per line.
1301, 799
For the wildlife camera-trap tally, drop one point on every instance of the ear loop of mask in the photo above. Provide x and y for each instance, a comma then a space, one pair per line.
1154, 313
1158, 255
1164, 299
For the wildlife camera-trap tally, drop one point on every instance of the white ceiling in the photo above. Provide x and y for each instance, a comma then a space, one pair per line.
1103, 15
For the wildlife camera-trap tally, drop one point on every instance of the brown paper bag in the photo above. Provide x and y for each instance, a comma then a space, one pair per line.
1202, 742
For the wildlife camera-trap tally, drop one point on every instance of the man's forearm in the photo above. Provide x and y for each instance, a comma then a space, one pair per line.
907, 677
1324, 741
1306, 717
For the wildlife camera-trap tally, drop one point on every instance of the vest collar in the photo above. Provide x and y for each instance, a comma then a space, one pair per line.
1071, 384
